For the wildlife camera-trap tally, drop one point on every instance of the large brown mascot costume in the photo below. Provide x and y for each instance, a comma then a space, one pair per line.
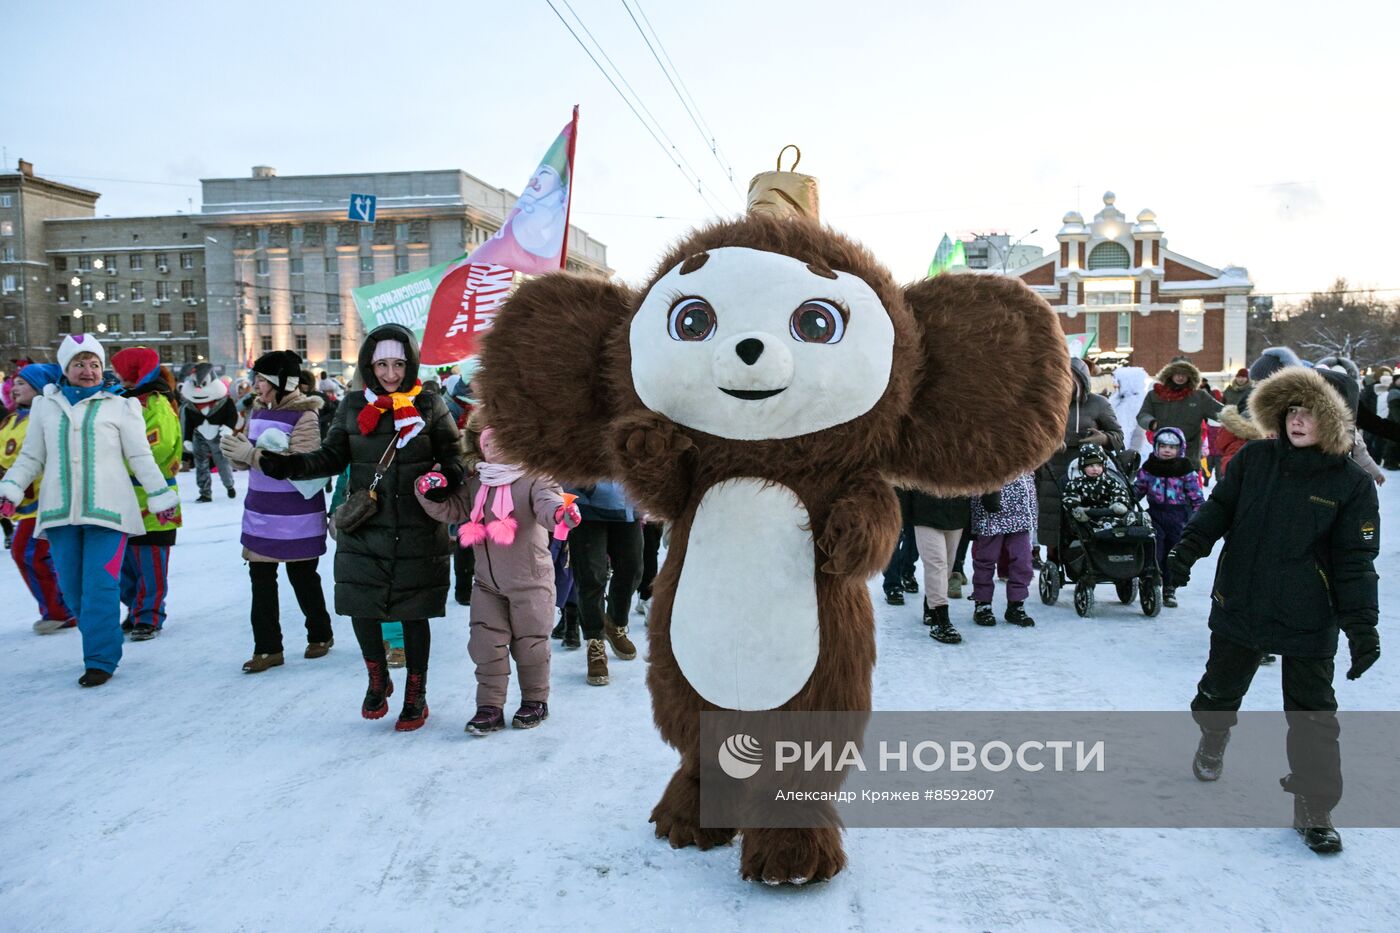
761, 392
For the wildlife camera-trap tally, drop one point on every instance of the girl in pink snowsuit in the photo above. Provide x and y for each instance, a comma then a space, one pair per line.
507, 518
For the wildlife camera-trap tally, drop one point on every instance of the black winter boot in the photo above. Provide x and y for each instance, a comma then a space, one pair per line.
911, 584
380, 687
1209, 762
1169, 597
1314, 824
572, 628
415, 703
1016, 615
940, 627
982, 614
894, 595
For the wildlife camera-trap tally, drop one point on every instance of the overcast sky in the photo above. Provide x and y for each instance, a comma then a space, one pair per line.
1263, 135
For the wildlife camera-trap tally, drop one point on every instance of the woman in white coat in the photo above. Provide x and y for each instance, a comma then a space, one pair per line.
82, 436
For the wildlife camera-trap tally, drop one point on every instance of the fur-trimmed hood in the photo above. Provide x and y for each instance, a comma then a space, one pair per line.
1238, 424
1270, 400
1180, 367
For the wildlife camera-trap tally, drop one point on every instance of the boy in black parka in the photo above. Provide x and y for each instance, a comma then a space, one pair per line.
1302, 529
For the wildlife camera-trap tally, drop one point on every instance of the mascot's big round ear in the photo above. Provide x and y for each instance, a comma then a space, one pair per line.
555, 370
992, 386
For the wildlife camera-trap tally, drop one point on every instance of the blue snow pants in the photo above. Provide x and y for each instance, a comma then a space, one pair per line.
88, 559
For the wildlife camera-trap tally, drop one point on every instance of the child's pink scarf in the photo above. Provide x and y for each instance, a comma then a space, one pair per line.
501, 530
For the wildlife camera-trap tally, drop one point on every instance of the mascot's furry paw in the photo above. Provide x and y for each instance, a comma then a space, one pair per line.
648, 442
791, 856
859, 535
677, 816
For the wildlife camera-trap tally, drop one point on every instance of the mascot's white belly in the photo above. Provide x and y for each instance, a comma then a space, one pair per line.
744, 623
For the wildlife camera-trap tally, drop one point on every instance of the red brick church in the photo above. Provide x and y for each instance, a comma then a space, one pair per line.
1117, 284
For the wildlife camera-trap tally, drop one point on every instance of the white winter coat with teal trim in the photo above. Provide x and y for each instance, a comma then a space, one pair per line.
82, 451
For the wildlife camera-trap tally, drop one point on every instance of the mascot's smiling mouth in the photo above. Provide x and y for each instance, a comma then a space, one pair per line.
752, 394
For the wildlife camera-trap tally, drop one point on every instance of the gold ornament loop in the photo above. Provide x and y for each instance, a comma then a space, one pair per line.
798, 158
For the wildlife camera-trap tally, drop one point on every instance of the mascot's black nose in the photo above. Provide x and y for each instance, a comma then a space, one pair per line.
749, 350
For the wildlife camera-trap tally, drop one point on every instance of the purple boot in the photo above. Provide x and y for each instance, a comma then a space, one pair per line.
530, 714
488, 719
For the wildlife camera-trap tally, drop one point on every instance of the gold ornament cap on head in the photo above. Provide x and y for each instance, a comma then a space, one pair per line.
785, 193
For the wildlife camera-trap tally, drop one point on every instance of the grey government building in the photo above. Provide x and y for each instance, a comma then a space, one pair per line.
267, 262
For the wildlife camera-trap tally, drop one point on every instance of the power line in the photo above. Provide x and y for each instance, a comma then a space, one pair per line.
705, 135
699, 184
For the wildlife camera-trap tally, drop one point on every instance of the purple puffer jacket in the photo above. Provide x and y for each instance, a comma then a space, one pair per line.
1018, 509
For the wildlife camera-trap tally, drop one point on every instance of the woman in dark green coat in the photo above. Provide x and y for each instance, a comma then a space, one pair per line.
397, 564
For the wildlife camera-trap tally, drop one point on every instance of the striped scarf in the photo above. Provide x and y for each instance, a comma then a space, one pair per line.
407, 421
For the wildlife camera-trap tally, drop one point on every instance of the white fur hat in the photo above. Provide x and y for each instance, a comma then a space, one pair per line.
74, 344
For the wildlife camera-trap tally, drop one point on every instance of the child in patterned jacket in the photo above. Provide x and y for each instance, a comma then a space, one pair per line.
1002, 522
1172, 486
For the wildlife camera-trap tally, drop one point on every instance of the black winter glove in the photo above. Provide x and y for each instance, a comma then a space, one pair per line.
1179, 561
275, 465
1365, 644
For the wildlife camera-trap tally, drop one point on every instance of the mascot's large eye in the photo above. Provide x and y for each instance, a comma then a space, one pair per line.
692, 319
818, 321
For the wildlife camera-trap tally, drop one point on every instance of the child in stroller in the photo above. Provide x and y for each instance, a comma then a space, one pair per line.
1096, 488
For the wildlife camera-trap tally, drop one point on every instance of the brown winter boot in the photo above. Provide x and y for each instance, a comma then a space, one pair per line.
597, 662
621, 645
261, 662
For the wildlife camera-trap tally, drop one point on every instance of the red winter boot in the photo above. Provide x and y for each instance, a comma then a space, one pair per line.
415, 703
380, 688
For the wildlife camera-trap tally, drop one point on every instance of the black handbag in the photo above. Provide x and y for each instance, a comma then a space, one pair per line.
361, 505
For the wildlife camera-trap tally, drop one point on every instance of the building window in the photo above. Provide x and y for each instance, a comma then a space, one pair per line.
167, 352
401, 233
298, 306
162, 291
84, 263
114, 323
367, 233
138, 291
7, 228
334, 342
1109, 255
332, 265
187, 288
264, 306
61, 292
264, 236
262, 267
191, 354
400, 265
1108, 298
366, 264
162, 261
190, 321
266, 344
60, 264
60, 323
79, 325
332, 234
87, 292
134, 261
300, 343
296, 265
1125, 330
9, 254
298, 235
7, 285
332, 309
163, 322
110, 262
113, 296
5, 201
138, 323
187, 260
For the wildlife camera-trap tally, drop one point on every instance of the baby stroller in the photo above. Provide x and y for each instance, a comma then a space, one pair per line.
1106, 548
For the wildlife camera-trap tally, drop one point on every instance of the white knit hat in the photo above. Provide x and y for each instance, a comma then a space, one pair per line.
74, 344
389, 350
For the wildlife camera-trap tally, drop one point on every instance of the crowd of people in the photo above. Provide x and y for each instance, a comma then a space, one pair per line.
406, 477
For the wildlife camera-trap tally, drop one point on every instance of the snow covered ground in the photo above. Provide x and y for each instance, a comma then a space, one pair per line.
185, 795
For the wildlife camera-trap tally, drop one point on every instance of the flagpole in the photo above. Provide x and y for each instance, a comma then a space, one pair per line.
569, 208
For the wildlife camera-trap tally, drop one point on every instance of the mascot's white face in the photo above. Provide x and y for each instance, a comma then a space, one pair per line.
751, 345
203, 385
